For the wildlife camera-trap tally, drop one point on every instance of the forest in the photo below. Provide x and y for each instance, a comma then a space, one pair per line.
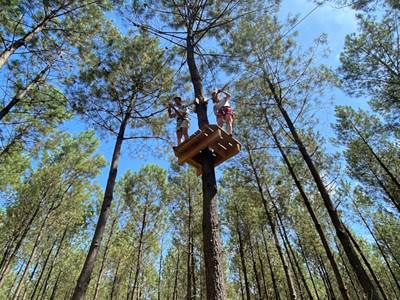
95, 203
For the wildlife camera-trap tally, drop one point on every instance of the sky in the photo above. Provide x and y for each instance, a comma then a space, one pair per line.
335, 22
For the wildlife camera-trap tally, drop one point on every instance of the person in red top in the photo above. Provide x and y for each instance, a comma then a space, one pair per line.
223, 110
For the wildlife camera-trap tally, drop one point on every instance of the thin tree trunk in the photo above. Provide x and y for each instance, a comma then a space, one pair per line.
276, 290
23, 91
367, 264
317, 225
288, 275
326, 275
254, 266
215, 286
296, 263
54, 290
105, 254
308, 269
241, 283
139, 254
242, 257
86, 272
37, 241
355, 262
379, 247
189, 293
159, 273
53, 262
114, 293
262, 270
43, 270
8, 51
175, 290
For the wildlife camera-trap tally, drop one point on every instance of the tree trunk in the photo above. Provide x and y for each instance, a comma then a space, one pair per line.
254, 266
215, 286
285, 265
276, 290
175, 290
139, 254
43, 270
355, 262
189, 294
53, 262
309, 269
242, 256
37, 241
114, 292
84, 277
379, 247
22, 92
159, 273
317, 225
54, 290
8, 51
296, 263
262, 270
105, 254
368, 265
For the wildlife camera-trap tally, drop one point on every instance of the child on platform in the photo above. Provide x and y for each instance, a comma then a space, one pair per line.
181, 112
223, 110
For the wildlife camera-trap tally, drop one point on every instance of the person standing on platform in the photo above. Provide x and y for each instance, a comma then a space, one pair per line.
223, 110
181, 112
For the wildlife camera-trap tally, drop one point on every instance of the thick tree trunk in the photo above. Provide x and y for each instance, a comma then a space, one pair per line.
84, 277
215, 286
355, 262
285, 265
317, 225
242, 256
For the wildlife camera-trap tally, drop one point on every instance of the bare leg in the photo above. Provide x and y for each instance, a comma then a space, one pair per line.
185, 132
229, 123
179, 135
220, 121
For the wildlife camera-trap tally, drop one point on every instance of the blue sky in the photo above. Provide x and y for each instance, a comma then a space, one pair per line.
336, 23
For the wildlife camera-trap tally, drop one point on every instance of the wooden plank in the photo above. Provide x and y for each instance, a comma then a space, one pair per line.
198, 135
216, 135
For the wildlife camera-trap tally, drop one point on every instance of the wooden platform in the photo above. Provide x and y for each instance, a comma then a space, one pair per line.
213, 137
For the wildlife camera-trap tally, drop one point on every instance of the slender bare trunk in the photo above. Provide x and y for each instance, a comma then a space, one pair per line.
307, 203
355, 262
86, 272
276, 290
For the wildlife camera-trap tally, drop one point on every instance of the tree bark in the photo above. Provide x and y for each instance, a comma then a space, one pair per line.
262, 270
242, 257
276, 290
355, 262
288, 275
215, 286
175, 290
105, 254
23, 91
84, 277
307, 203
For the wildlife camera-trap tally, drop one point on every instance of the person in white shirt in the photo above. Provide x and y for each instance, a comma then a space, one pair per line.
181, 113
223, 110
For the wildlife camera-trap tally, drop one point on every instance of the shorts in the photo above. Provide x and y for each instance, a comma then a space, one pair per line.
182, 123
225, 111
